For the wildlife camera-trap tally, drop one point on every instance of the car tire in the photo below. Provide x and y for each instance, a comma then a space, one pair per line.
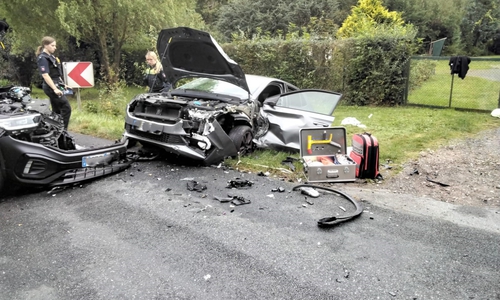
242, 137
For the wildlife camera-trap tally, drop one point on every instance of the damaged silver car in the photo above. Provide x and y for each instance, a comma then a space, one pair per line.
219, 111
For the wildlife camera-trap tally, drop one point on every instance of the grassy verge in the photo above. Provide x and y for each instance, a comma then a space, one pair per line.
478, 90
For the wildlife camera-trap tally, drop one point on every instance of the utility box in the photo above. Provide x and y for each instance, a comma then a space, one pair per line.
324, 152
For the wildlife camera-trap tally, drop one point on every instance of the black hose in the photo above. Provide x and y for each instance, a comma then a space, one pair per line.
331, 221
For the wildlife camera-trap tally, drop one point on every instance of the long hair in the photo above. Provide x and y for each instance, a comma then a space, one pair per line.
158, 67
46, 40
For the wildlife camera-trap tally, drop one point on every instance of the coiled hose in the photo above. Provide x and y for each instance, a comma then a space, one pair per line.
332, 221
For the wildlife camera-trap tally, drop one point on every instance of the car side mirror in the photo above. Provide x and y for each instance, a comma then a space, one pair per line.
271, 101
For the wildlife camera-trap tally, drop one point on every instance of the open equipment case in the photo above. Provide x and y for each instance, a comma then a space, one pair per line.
324, 153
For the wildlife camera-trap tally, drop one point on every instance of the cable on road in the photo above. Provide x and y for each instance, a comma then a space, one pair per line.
332, 221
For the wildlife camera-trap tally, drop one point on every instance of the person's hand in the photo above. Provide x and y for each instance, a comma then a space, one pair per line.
58, 92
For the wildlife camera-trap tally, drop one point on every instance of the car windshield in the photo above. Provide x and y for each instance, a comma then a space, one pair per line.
215, 86
316, 101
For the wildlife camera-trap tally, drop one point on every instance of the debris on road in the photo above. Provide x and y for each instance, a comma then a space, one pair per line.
239, 183
196, 186
331, 221
235, 200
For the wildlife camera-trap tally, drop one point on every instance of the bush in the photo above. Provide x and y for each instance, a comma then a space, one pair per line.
369, 70
421, 71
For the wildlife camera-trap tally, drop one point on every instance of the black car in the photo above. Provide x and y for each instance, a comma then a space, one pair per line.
217, 111
36, 150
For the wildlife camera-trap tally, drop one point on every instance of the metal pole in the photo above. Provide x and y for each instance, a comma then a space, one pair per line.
451, 90
78, 101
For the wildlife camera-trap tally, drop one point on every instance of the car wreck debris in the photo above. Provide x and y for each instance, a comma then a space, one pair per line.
332, 221
194, 185
235, 200
239, 183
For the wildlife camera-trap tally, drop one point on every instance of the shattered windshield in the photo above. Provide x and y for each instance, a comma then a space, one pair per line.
215, 86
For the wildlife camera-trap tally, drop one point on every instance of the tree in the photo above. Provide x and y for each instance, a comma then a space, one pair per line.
434, 19
249, 17
209, 10
106, 25
480, 24
111, 24
29, 22
367, 17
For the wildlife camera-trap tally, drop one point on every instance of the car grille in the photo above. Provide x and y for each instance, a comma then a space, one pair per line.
168, 113
163, 137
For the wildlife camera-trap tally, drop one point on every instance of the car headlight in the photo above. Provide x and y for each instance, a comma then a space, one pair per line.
20, 122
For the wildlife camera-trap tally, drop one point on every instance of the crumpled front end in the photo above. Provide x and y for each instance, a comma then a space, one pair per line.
192, 128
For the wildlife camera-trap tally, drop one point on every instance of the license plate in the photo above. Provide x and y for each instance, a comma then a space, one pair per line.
95, 160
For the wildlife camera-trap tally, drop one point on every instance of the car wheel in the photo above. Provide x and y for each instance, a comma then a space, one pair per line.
242, 137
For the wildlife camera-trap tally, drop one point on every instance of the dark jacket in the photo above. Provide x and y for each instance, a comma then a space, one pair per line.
459, 65
50, 64
157, 82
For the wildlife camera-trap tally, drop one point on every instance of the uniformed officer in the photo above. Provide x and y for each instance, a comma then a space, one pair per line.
155, 78
53, 85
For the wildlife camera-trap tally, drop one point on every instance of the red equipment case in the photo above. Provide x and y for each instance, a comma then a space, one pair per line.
365, 152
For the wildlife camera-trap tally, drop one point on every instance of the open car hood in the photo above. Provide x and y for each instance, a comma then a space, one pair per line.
186, 52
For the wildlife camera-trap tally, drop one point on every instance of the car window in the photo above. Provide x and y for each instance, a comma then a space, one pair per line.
215, 86
291, 88
322, 102
271, 90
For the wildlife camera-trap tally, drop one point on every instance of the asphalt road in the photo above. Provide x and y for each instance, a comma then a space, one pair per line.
142, 234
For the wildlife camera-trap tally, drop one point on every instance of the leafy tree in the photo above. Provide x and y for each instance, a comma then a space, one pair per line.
249, 17
111, 24
209, 10
480, 24
367, 16
105, 25
29, 21
434, 19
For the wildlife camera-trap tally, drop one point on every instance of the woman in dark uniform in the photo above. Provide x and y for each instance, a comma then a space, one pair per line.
155, 78
53, 85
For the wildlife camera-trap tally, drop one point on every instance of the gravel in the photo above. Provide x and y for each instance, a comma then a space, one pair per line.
465, 172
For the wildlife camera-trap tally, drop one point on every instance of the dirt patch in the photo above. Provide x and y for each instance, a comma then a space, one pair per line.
465, 172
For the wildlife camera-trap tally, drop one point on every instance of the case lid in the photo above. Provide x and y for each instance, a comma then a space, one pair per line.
322, 141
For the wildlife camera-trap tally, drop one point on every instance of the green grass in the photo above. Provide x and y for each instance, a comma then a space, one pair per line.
403, 132
472, 92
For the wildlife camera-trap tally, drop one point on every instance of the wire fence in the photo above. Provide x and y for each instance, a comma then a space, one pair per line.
431, 83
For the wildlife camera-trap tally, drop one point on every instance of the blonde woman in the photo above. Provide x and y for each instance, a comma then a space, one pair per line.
49, 67
155, 78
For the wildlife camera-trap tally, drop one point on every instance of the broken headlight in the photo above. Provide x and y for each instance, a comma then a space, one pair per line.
20, 122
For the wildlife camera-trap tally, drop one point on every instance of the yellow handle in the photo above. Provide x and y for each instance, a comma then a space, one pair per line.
311, 142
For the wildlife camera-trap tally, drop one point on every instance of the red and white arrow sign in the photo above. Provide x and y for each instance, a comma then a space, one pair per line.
79, 74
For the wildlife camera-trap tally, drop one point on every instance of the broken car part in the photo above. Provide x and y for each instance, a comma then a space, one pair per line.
36, 150
235, 200
332, 221
239, 183
309, 191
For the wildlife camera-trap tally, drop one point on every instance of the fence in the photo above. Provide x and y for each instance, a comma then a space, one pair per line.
431, 84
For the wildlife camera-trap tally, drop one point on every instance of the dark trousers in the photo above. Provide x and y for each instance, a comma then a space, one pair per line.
60, 105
